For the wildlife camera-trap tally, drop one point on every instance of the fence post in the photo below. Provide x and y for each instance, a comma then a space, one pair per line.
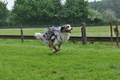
22, 36
83, 31
111, 33
117, 34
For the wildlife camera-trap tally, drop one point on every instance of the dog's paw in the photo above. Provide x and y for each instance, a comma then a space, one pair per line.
56, 50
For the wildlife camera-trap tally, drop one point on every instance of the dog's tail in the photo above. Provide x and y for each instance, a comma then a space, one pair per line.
38, 36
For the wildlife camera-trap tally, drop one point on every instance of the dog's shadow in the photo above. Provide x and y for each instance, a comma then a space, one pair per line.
51, 54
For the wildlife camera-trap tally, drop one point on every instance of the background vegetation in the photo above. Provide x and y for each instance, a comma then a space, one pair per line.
3, 13
48, 12
104, 5
109, 9
53, 12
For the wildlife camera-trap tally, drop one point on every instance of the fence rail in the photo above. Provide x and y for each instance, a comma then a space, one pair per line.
72, 38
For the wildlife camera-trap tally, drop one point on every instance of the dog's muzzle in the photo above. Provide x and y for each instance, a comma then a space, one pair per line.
69, 31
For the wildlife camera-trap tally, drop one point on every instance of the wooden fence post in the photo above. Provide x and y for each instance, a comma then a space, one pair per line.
117, 34
83, 31
111, 31
22, 36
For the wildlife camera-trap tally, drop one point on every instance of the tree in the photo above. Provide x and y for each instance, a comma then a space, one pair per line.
75, 11
57, 8
36, 11
49, 12
94, 16
26, 11
103, 5
109, 15
3, 13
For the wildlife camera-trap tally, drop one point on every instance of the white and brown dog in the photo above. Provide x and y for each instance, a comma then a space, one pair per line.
55, 36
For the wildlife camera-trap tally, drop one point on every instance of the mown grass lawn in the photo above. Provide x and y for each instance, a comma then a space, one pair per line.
32, 60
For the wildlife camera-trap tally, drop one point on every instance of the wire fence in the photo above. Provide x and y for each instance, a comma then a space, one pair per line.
96, 31
26, 31
22, 29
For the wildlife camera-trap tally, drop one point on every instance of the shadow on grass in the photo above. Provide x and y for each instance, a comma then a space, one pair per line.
51, 53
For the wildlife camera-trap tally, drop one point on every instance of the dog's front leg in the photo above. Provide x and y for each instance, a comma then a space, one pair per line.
59, 47
51, 46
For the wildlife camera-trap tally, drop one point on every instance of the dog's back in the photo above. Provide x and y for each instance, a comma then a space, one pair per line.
46, 36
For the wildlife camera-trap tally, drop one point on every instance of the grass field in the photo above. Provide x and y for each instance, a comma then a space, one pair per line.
32, 60
96, 31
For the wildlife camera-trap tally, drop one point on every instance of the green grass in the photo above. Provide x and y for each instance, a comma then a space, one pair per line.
97, 31
32, 60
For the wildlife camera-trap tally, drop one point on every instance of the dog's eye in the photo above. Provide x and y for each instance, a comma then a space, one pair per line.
67, 26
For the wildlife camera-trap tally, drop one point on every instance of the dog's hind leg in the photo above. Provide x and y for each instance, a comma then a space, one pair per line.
59, 47
51, 46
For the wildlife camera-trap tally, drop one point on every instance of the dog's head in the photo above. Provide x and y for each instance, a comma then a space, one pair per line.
66, 28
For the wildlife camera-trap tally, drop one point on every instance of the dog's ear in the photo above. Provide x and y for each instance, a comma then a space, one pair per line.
62, 28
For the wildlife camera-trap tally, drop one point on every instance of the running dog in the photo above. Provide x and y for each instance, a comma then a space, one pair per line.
55, 36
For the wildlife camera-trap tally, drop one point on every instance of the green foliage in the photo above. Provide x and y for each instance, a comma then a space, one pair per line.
105, 8
3, 13
32, 60
109, 16
36, 12
103, 5
77, 11
94, 16
44, 12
